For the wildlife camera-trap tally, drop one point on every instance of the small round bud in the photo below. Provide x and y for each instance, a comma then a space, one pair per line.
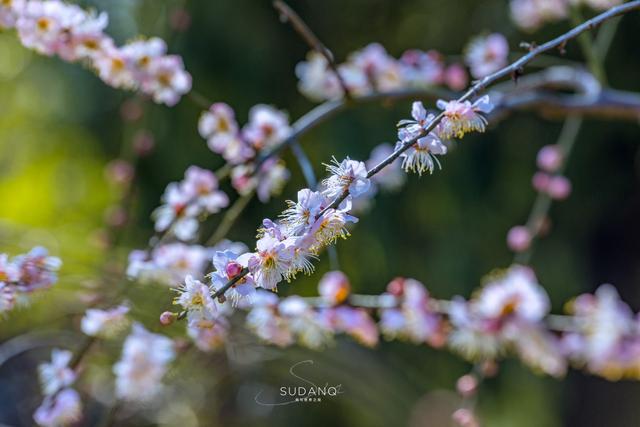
233, 269
465, 418
119, 171
167, 318
519, 238
559, 187
540, 182
143, 143
550, 158
467, 385
396, 287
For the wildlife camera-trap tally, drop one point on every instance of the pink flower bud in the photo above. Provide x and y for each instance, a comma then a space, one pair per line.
465, 418
143, 143
550, 158
540, 182
334, 287
455, 77
559, 187
519, 238
167, 318
467, 385
119, 171
233, 269
396, 287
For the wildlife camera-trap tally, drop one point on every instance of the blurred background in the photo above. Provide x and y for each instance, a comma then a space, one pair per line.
60, 128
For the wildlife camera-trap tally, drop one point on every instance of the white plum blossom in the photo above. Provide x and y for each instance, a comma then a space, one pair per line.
346, 176
517, 295
271, 262
195, 298
421, 156
267, 127
61, 409
219, 127
531, 14
104, 323
317, 81
145, 359
486, 55
463, 117
301, 215
57, 374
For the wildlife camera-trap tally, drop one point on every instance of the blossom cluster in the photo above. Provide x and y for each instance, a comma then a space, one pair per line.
54, 27
187, 201
24, 274
532, 14
61, 405
459, 118
508, 315
240, 147
372, 70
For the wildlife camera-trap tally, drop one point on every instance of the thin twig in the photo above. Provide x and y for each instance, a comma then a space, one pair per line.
288, 14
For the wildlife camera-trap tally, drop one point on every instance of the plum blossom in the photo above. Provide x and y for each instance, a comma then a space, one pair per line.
219, 127
421, 156
317, 81
195, 298
348, 175
270, 264
304, 323
334, 287
184, 202
166, 80
463, 117
104, 323
228, 268
265, 321
56, 374
531, 14
516, 296
414, 318
61, 409
486, 55
208, 334
355, 322
145, 359
267, 127
300, 215
608, 340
